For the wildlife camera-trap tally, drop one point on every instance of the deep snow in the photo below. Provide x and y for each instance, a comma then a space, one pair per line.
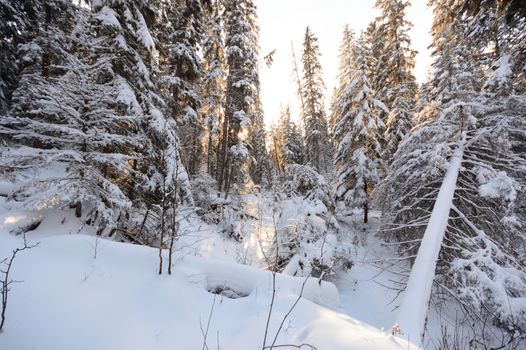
71, 300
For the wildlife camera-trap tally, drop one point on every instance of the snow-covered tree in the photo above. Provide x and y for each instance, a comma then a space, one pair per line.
178, 29
259, 169
287, 142
241, 50
87, 114
18, 19
357, 161
472, 139
345, 74
307, 241
124, 37
212, 85
293, 150
392, 66
66, 124
276, 145
497, 31
316, 128
480, 257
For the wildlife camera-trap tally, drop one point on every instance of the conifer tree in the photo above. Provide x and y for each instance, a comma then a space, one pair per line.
357, 162
293, 150
316, 128
18, 19
287, 142
178, 29
260, 162
159, 166
497, 33
212, 85
275, 147
392, 67
345, 74
479, 259
242, 88
68, 115
87, 106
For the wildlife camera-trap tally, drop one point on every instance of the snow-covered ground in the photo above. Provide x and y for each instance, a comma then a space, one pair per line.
79, 292
364, 291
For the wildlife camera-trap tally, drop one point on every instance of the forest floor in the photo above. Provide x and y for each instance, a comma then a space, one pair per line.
81, 292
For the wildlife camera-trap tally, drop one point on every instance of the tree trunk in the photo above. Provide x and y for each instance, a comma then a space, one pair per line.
175, 226
224, 155
366, 204
161, 240
78, 209
209, 153
412, 313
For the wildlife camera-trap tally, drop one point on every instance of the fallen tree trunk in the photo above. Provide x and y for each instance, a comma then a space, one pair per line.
412, 312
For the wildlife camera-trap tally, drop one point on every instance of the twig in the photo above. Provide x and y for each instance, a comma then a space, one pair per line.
205, 334
6, 281
273, 271
289, 312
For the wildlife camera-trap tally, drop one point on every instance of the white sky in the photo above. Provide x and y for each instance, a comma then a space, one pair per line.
283, 21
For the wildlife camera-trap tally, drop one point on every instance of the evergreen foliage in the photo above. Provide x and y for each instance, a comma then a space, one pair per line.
357, 161
480, 261
391, 63
287, 142
316, 127
242, 88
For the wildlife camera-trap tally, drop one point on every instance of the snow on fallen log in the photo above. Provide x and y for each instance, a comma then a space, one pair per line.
412, 312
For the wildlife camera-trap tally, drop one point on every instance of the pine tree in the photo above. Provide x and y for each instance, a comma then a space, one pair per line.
275, 147
345, 74
126, 41
287, 142
293, 150
316, 128
449, 57
242, 90
178, 29
17, 22
87, 105
66, 120
357, 162
392, 67
260, 163
100, 90
213, 85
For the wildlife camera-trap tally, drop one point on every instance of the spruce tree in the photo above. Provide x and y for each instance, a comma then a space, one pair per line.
260, 162
316, 128
357, 163
275, 147
345, 72
212, 87
129, 43
287, 142
68, 124
18, 20
87, 105
497, 30
178, 29
242, 88
392, 67
293, 150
